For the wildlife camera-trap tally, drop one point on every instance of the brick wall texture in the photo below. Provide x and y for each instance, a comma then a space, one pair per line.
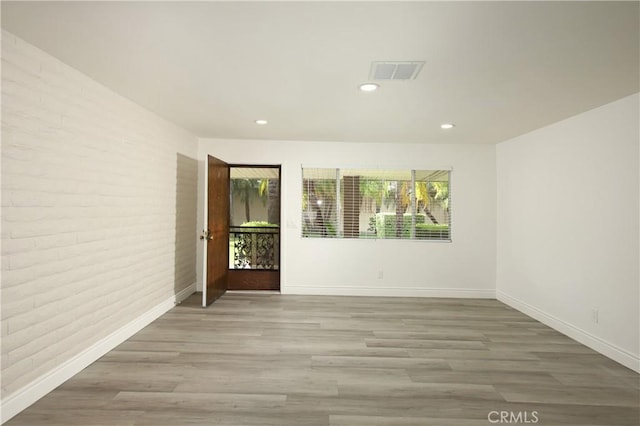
98, 212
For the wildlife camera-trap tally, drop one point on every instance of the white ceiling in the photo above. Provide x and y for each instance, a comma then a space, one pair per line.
496, 69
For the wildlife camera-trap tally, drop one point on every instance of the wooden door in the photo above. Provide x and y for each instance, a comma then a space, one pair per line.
218, 229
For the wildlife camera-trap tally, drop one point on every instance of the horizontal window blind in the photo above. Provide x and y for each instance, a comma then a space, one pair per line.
376, 203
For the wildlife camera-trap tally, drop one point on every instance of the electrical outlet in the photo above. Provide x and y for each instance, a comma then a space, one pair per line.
380, 274
595, 316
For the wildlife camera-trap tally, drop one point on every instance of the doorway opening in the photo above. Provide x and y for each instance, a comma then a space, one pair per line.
254, 227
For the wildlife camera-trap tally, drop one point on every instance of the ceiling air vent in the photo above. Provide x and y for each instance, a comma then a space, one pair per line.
406, 70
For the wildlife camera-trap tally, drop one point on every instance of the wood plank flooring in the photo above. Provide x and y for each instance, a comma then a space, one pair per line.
253, 359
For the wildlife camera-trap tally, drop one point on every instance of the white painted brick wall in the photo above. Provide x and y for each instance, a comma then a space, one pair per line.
98, 212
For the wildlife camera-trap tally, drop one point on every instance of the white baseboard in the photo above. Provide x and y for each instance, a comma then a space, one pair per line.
607, 349
390, 291
183, 294
24, 397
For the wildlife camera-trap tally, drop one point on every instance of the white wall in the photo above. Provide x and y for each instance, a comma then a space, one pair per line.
98, 220
465, 267
567, 216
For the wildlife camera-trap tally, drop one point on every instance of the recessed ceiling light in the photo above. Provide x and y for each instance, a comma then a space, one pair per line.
261, 122
368, 87
447, 126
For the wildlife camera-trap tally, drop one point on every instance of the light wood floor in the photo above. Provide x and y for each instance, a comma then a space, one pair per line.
343, 361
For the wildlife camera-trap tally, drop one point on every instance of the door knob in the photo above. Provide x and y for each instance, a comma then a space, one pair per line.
206, 235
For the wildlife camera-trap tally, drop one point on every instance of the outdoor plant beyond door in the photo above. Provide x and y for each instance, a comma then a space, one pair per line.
254, 230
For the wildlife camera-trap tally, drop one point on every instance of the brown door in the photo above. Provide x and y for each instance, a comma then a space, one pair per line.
218, 229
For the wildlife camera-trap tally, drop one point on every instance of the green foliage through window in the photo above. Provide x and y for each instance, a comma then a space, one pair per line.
376, 203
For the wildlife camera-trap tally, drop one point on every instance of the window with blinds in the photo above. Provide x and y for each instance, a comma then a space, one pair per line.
376, 203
